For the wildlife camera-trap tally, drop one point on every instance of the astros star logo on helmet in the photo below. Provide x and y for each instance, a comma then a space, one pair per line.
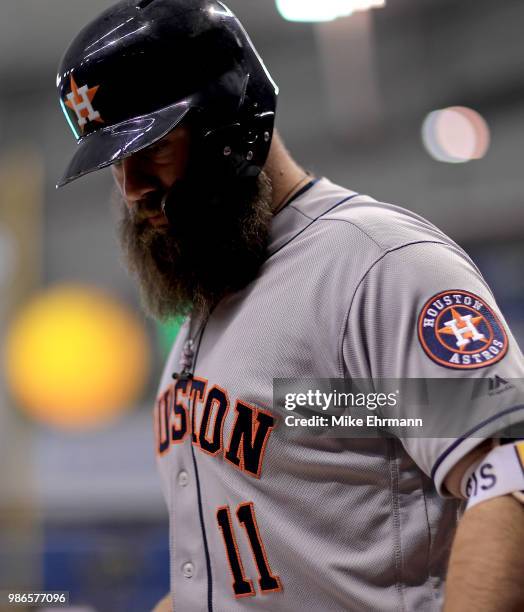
457, 329
80, 101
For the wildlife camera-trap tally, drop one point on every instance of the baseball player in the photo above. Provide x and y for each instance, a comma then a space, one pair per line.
286, 276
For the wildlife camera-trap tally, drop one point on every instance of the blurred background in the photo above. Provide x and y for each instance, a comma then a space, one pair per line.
415, 102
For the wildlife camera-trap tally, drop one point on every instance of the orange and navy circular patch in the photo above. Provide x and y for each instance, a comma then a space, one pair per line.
457, 329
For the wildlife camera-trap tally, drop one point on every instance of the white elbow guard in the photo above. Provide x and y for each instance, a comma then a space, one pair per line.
500, 472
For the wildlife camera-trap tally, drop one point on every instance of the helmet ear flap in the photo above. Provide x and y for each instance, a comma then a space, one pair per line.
241, 148
222, 151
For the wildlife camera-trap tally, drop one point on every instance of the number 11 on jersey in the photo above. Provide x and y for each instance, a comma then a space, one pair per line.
243, 586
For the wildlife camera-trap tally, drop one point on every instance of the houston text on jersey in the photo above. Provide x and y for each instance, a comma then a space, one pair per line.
196, 408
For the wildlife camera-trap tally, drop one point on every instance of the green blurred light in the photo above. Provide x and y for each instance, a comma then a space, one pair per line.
168, 333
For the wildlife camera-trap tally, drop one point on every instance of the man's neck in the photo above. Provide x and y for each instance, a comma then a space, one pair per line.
286, 176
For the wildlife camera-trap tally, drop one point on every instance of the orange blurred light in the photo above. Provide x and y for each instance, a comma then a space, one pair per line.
76, 358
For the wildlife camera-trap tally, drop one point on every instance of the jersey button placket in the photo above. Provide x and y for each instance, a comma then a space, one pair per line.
183, 478
188, 570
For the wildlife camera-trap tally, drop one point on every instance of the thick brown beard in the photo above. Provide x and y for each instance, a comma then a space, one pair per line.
209, 250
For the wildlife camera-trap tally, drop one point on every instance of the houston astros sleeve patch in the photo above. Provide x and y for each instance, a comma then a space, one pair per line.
458, 330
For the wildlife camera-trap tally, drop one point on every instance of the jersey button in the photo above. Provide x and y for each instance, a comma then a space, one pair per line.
183, 478
187, 570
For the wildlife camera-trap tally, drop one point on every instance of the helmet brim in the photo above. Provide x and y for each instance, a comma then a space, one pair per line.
113, 143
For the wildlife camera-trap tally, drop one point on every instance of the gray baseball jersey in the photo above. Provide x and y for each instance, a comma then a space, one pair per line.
351, 288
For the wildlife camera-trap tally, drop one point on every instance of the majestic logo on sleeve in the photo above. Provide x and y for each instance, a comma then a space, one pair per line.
457, 329
80, 100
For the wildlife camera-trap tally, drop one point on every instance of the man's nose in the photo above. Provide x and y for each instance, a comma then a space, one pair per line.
136, 183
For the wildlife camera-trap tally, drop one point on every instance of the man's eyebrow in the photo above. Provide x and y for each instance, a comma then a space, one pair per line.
151, 148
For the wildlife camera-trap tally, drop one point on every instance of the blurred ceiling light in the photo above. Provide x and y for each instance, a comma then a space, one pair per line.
76, 358
323, 10
455, 135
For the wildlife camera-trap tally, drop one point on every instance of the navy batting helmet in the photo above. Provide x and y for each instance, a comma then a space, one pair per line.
136, 71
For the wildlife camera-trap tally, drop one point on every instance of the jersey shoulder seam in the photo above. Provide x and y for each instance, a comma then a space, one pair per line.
362, 279
301, 212
357, 227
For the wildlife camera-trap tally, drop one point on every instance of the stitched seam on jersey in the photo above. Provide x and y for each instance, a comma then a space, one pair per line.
434, 592
293, 206
204, 536
355, 226
310, 224
172, 548
395, 515
370, 268
469, 433
320, 217
197, 477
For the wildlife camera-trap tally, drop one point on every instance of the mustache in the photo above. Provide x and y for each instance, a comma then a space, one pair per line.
149, 206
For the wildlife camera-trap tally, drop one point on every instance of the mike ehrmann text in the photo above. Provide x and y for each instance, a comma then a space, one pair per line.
371, 420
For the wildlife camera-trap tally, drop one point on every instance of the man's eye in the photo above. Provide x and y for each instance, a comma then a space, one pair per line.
155, 149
